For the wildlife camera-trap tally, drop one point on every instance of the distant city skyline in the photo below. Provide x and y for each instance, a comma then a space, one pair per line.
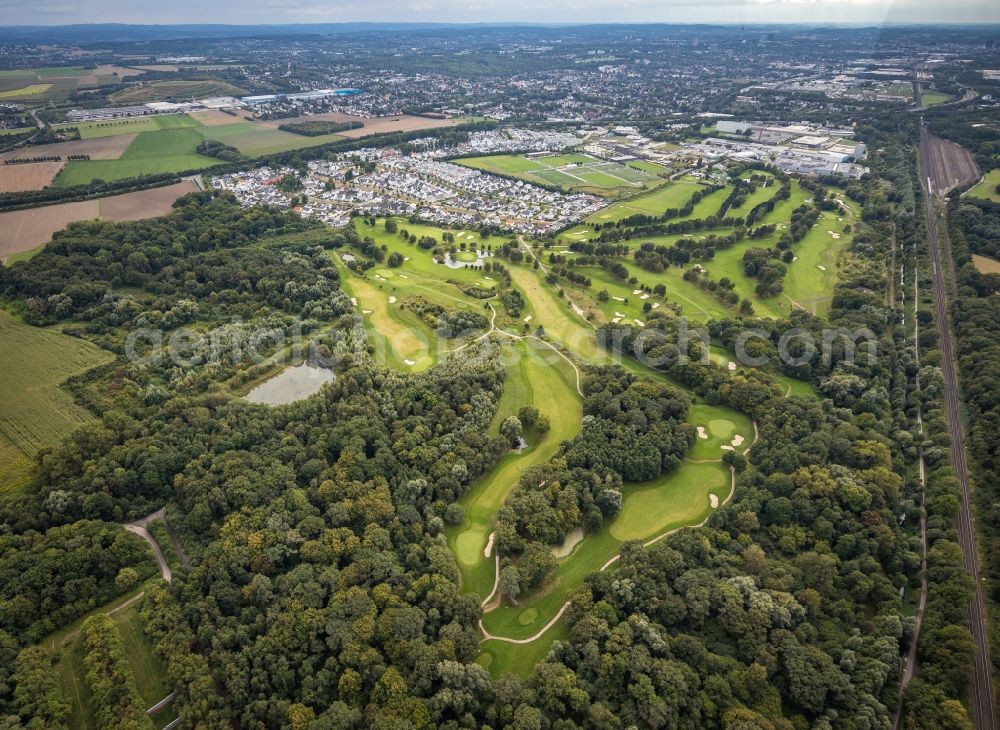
868, 12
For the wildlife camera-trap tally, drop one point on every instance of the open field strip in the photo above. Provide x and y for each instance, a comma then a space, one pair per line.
25, 91
569, 171
92, 130
535, 376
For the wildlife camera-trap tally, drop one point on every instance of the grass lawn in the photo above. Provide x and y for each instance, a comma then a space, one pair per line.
987, 189
520, 659
36, 411
535, 376
168, 150
933, 98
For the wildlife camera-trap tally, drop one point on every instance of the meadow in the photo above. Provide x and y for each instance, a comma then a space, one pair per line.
37, 411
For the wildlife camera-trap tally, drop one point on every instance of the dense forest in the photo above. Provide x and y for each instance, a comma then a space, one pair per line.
323, 593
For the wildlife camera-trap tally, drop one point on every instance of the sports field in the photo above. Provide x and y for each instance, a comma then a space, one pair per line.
569, 172
36, 411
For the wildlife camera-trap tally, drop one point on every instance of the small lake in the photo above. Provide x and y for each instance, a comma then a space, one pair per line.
291, 384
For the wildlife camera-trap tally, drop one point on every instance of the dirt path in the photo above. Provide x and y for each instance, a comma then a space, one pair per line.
139, 528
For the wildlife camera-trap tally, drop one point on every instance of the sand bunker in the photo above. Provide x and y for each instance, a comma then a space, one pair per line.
528, 318
354, 301
731, 365
616, 320
821, 268
639, 322
656, 305
366, 311
701, 432
619, 314
727, 447
713, 500
737, 440
489, 545
619, 299
411, 363
392, 300
573, 538
644, 296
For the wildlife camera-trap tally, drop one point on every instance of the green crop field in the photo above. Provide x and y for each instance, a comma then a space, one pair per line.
169, 150
933, 98
36, 412
987, 188
181, 89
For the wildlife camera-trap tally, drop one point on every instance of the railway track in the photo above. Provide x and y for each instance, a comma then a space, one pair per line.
936, 161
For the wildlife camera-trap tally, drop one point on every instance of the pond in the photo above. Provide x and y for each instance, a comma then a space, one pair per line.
291, 384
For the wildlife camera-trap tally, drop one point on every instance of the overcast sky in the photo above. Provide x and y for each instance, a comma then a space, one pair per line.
50, 12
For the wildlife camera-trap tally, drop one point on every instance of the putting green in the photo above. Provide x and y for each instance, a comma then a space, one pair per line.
528, 616
466, 256
721, 426
681, 498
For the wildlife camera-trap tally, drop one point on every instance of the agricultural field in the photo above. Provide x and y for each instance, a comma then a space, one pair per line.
101, 148
576, 172
90, 130
985, 264
25, 92
987, 187
150, 153
181, 89
23, 231
28, 176
36, 410
255, 138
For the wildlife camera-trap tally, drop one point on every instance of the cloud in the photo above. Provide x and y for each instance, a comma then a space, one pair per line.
568, 11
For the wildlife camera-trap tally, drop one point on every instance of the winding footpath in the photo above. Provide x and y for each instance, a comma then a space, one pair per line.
139, 527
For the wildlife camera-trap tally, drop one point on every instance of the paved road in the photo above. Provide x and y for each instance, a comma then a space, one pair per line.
984, 709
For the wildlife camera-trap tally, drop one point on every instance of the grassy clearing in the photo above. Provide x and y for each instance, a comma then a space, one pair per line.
535, 376
933, 98
150, 674
987, 188
168, 150
674, 195
36, 411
